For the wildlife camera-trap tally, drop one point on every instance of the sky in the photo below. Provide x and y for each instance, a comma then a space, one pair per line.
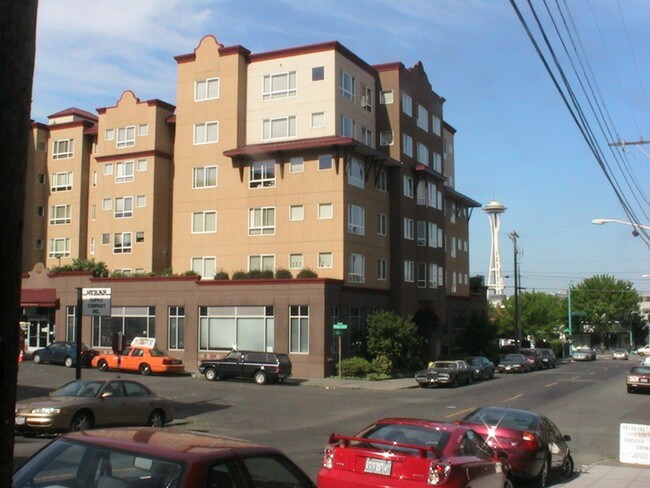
516, 140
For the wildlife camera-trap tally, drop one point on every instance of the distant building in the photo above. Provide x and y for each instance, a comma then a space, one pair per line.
303, 158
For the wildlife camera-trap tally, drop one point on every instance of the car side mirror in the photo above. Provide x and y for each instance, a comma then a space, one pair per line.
566, 437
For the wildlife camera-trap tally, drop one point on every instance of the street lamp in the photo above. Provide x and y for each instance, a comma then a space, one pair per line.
635, 227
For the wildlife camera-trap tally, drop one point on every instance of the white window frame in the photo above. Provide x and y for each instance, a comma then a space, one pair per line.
422, 275
124, 171
59, 247
60, 214
266, 262
299, 329
437, 161
366, 98
423, 154
325, 162
123, 208
382, 269
296, 261
204, 222
58, 185
63, 149
325, 260
407, 145
432, 275
143, 130
386, 138
287, 125
107, 204
421, 233
356, 173
325, 211
297, 164
409, 271
261, 221
262, 174
382, 224
108, 169
203, 265
407, 186
409, 228
109, 135
356, 268
423, 118
347, 126
382, 181
205, 177
141, 165
125, 136
289, 90
317, 120
386, 97
122, 242
206, 133
436, 125
208, 89
346, 85
407, 104
296, 213
356, 219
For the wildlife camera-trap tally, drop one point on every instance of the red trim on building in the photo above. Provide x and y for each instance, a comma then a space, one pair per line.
139, 154
39, 297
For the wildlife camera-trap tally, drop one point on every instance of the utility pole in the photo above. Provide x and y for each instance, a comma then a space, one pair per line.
514, 236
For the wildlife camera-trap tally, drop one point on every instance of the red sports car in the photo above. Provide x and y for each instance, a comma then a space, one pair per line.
410, 453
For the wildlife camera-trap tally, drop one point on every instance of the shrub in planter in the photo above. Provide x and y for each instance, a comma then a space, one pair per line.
307, 273
221, 275
355, 367
282, 273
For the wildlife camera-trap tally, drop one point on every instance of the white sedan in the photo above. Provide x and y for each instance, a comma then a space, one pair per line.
644, 351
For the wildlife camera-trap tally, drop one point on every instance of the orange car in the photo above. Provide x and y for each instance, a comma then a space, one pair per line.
146, 360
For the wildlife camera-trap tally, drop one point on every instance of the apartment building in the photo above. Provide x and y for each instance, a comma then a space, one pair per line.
303, 158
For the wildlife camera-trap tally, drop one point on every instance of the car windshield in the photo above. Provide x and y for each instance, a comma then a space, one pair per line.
473, 361
444, 364
79, 389
512, 357
641, 370
417, 435
512, 419
59, 464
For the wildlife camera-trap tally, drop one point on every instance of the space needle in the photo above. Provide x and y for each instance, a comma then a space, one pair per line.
494, 209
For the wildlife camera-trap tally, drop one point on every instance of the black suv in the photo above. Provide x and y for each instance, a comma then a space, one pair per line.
548, 358
262, 367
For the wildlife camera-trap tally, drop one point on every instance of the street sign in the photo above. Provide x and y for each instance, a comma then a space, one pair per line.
340, 326
96, 302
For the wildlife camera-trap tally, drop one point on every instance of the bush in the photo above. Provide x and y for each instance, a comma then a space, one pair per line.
190, 272
306, 273
355, 367
395, 338
382, 365
282, 273
221, 275
240, 275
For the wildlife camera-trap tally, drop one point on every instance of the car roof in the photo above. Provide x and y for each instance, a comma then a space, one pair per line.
169, 442
432, 424
513, 411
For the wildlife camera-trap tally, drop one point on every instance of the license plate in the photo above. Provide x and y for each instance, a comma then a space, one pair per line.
643, 380
20, 420
378, 466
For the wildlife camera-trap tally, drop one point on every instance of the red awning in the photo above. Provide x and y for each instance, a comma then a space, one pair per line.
39, 297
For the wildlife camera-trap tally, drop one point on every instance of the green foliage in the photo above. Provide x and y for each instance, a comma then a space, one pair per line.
355, 367
381, 365
306, 273
190, 272
167, 272
98, 269
240, 275
221, 275
282, 273
479, 335
395, 338
542, 315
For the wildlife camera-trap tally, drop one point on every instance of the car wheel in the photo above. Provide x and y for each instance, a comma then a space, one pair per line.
81, 421
212, 375
567, 467
102, 365
68, 362
260, 378
145, 369
36, 358
541, 480
455, 383
508, 483
156, 419
422, 385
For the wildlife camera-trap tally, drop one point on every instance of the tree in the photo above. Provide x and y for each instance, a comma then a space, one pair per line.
394, 337
479, 335
17, 51
604, 300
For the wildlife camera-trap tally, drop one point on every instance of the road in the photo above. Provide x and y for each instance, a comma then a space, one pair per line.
586, 400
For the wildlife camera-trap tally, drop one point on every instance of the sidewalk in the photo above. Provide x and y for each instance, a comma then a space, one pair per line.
333, 383
611, 475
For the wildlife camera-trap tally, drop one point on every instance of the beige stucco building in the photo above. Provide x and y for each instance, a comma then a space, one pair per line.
306, 158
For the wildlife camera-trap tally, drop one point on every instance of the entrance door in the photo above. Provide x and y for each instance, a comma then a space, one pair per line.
38, 334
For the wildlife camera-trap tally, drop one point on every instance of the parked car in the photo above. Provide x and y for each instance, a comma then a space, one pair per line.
450, 373
482, 368
513, 363
549, 360
262, 367
534, 358
64, 352
644, 351
638, 378
84, 404
399, 452
584, 354
645, 362
534, 445
157, 458
619, 354
143, 359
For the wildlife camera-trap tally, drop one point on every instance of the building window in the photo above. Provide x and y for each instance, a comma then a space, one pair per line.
124, 172
297, 165
40, 211
356, 330
107, 204
40, 178
261, 262
325, 211
143, 130
296, 212
205, 266
356, 219
123, 207
204, 222
382, 269
106, 239
436, 125
261, 221
423, 118
409, 271
63, 149
59, 214
122, 243
206, 133
141, 165
139, 237
432, 282
244, 328
141, 201
296, 261
420, 193
176, 325
318, 73
347, 126
126, 136
366, 98
386, 97
299, 329
381, 224
324, 259
407, 104
408, 186
206, 89
38, 244
108, 169
356, 173
347, 85
325, 161
70, 323
356, 268
317, 120
278, 128
262, 174
204, 177
409, 229
407, 145
437, 162
279, 85
367, 137
62, 181
423, 154
130, 321
421, 233
109, 135
382, 181
422, 275
386, 138
59, 247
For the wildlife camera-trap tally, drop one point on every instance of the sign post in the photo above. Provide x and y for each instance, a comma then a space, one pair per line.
93, 302
339, 329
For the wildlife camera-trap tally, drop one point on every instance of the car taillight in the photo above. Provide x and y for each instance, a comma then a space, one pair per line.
529, 441
328, 458
438, 473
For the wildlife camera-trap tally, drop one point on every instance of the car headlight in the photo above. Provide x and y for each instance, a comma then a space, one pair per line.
443, 375
46, 410
633, 378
